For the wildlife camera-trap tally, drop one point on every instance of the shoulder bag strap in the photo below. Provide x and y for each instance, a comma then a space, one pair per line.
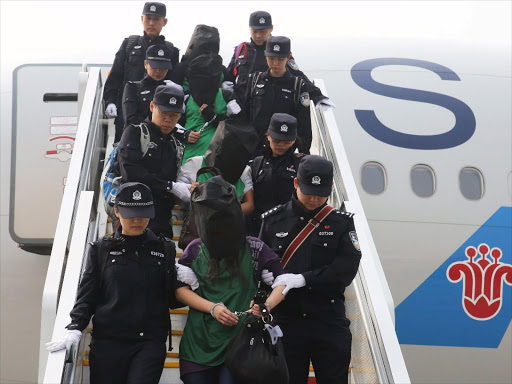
306, 231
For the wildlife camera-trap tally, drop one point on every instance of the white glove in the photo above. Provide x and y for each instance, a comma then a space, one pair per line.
291, 280
228, 85
233, 108
186, 275
181, 191
267, 277
111, 111
327, 102
71, 338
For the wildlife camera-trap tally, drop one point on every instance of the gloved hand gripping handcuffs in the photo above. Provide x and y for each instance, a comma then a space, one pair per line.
71, 338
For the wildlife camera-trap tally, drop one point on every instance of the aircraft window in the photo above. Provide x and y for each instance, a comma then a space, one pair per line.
423, 181
471, 183
373, 178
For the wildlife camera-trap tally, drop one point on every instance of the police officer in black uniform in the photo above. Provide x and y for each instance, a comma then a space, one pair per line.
129, 61
277, 90
124, 286
159, 167
313, 316
138, 95
249, 57
273, 173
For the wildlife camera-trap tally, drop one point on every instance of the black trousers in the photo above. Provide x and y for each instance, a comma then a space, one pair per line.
126, 362
161, 223
323, 340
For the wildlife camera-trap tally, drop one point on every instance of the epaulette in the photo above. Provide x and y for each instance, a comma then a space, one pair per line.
165, 238
270, 212
347, 215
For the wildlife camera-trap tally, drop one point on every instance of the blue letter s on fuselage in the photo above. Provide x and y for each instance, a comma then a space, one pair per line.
464, 118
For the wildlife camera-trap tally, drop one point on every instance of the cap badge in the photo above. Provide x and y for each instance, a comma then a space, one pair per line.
277, 48
316, 180
284, 128
172, 101
137, 195
152, 8
262, 21
161, 52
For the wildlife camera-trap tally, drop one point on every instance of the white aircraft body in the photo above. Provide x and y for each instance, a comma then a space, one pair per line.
427, 130
428, 133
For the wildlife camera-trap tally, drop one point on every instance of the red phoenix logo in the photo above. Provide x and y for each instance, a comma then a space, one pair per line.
482, 281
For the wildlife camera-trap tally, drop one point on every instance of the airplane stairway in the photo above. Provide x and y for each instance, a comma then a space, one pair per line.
376, 354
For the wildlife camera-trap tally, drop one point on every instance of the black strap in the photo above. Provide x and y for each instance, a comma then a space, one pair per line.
255, 80
132, 40
297, 87
256, 166
213, 170
103, 248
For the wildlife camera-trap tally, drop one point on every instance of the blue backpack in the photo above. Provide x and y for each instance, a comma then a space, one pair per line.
110, 179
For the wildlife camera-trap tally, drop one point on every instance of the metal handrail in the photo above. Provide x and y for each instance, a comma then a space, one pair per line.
82, 166
371, 289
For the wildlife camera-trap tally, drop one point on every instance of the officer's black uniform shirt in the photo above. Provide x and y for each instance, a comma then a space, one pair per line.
131, 67
255, 61
158, 168
277, 94
327, 259
272, 178
137, 96
132, 300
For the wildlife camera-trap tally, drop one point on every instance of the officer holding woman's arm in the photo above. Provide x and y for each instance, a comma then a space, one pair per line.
126, 286
324, 260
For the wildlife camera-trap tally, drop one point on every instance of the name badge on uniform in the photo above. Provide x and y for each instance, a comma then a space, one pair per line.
116, 253
145, 92
281, 234
157, 254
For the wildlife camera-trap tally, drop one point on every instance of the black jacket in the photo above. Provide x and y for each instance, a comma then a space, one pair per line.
136, 98
286, 94
130, 67
158, 168
328, 259
272, 179
255, 61
130, 300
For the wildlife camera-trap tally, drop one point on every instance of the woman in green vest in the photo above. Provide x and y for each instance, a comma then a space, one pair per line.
228, 266
207, 104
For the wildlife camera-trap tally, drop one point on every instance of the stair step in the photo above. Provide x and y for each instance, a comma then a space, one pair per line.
178, 311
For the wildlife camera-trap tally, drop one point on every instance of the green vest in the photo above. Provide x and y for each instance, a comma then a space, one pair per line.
204, 339
195, 121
